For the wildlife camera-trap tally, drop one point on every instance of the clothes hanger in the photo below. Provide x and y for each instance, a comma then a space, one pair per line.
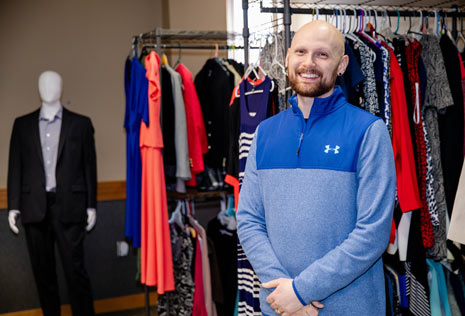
216, 50
460, 33
164, 60
275, 58
179, 55
362, 30
350, 33
376, 19
386, 31
436, 23
176, 216
417, 32
398, 20
252, 69
254, 91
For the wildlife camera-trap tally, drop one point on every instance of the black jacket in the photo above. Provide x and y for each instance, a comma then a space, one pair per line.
76, 171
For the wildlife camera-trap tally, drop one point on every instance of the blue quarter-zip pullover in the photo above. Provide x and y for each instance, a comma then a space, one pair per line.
316, 205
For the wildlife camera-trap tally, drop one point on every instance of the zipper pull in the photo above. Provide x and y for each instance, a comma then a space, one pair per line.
300, 143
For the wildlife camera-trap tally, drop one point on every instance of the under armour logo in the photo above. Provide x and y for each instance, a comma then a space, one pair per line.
335, 149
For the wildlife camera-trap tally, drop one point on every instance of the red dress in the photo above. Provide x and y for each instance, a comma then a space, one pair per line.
156, 256
196, 134
407, 184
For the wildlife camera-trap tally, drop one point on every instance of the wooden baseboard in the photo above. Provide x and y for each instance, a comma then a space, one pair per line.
101, 306
106, 191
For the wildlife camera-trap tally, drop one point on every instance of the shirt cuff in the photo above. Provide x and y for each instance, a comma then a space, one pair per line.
298, 295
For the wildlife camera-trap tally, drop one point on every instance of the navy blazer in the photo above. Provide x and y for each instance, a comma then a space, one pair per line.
76, 170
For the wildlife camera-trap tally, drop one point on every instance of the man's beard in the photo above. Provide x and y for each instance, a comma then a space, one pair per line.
313, 90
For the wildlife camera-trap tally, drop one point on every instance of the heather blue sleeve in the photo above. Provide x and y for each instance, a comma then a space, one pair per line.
251, 227
366, 243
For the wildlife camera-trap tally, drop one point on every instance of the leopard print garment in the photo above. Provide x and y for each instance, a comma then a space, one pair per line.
370, 95
437, 97
180, 301
412, 53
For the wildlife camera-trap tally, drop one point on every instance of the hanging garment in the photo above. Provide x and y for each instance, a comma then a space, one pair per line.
437, 98
439, 301
224, 243
454, 307
253, 110
156, 256
199, 308
379, 69
407, 185
136, 87
416, 270
412, 52
271, 57
233, 71
234, 123
214, 85
394, 288
352, 79
180, 301
168, 128
370, 94
183, 172
206, 271
462, 73
197, 137
386, 89
457, 222
451, 124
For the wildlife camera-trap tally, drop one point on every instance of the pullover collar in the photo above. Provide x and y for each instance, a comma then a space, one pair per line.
322, 106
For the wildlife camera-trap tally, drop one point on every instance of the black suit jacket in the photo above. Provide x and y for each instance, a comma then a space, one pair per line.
76, 171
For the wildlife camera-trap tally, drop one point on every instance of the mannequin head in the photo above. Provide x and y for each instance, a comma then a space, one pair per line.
50, 87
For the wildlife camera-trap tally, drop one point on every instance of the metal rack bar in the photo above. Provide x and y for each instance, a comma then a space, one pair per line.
350, 11
245, 32
198, 46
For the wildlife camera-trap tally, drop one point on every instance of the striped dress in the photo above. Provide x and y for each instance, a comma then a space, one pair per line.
254, 108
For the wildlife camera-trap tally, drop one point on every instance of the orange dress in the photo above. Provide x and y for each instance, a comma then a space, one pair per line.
156, 257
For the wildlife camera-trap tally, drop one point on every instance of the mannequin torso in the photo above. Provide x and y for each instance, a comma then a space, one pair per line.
50, 90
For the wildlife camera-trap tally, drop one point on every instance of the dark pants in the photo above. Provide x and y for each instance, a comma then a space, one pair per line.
41, 238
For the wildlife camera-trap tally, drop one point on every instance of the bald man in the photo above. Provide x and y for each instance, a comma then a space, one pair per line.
315, 207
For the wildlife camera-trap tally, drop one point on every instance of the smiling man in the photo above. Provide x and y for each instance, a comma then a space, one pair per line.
316, 203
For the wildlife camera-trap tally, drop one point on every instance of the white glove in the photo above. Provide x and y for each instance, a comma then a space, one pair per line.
91, 218
12, 216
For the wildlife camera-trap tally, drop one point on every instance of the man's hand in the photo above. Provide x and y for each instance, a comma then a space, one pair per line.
309, 310
283, 299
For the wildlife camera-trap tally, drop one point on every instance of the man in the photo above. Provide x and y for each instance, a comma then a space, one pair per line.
315, 207
52, 183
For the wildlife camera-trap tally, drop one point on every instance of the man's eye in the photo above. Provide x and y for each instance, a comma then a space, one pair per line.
322, 54
300, 52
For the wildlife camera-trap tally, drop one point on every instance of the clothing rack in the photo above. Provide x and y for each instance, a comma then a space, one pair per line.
312, 8
161, 39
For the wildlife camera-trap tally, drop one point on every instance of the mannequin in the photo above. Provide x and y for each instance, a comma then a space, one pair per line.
52, 185
50, 88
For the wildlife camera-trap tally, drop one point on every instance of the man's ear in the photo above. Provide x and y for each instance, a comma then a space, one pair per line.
341, 68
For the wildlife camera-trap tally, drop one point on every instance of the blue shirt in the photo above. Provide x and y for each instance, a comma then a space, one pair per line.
49, 138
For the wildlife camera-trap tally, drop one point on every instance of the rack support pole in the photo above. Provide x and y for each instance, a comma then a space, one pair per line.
245, 32
287, 34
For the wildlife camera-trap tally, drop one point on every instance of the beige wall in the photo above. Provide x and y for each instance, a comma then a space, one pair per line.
86, 41
196, 15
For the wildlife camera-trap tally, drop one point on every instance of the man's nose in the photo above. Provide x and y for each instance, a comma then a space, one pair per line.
309, 60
